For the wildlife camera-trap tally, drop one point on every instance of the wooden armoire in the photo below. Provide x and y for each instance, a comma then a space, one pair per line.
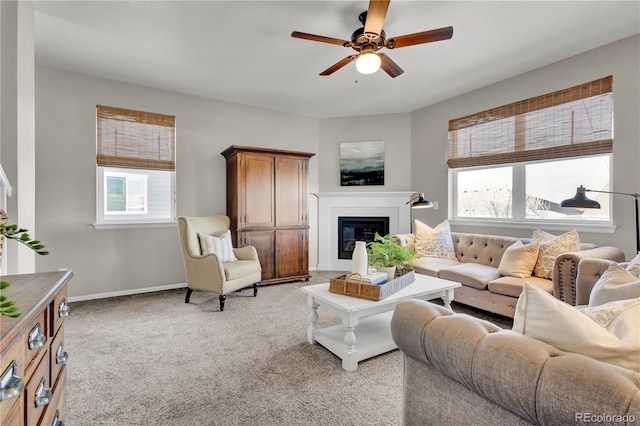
267, 205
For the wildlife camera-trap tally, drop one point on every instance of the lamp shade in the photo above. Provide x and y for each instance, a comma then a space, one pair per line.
580, 200
368, 63
421, 203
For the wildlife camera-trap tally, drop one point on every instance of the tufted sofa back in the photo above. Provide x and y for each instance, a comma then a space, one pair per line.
479, 248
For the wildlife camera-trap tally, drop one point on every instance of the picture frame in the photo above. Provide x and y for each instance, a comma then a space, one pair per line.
362, 163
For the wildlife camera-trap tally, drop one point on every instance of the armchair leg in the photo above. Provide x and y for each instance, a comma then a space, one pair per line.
186, 298
222, 299
255, 289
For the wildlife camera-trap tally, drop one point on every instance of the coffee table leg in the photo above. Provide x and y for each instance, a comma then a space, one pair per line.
313, 320
448, 298
350, 360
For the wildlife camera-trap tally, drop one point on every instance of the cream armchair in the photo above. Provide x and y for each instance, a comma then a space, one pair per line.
207, 272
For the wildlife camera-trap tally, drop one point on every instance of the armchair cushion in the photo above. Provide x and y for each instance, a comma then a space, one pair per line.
220, 246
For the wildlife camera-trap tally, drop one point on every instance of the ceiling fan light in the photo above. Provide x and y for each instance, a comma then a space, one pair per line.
368, 63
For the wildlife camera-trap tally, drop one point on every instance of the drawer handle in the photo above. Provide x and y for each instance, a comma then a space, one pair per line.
56, 420
61, 355
36, 338
12, 385
43, 395
64, 310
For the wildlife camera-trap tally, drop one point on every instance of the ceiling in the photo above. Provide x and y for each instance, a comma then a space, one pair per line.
243, 52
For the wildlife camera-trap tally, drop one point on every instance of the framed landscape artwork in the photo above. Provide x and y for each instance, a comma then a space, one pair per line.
362, 163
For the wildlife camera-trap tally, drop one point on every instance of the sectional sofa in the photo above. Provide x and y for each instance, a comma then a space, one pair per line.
476, 267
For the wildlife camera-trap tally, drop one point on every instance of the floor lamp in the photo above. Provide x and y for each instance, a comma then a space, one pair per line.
580, 200
420, 203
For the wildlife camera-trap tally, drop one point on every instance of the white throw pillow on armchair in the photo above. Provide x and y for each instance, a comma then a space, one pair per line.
616, 283
220, 246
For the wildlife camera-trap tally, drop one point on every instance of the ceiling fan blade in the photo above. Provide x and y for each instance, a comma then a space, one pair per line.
323, 39
419, 38
338, 65
375, 18
389, 66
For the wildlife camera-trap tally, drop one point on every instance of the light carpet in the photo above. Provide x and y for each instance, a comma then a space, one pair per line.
151, 359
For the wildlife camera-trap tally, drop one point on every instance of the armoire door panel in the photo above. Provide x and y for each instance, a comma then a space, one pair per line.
291, 196
264, 242
259, 197
291, 252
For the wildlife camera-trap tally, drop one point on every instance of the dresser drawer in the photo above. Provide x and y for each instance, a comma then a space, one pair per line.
13, 381
38, 392
57, 410
57, 355
36, 341
59, 310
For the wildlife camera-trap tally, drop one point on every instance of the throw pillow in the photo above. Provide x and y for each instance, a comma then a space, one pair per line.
220, 246
543, 317
634, 266
518, 260
616, 283
434, 242
550, 248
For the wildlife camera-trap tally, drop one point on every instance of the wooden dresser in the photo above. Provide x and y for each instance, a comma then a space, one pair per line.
32, 355
267, 205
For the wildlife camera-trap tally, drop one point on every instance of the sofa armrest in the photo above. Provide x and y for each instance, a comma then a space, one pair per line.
565, 269
589, 272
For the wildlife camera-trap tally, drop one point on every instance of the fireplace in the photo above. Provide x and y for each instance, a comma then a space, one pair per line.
354, 228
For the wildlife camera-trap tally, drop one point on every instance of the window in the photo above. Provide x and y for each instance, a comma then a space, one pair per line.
519, 161
136, 166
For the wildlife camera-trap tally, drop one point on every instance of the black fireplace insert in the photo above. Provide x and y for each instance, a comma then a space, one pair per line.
352, 229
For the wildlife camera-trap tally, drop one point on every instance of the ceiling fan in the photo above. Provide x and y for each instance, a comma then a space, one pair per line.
371, 38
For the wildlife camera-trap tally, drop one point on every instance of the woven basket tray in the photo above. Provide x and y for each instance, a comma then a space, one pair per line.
351, 285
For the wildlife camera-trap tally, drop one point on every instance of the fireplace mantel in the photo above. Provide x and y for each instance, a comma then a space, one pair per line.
332, 205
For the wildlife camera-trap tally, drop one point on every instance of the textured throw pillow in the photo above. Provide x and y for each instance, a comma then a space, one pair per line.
550, 247
634, 266
616, 283
434, 242
220, 246
518, 260
543, 317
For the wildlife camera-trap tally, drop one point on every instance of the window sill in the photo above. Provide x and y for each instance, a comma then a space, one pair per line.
551, 226
134, 225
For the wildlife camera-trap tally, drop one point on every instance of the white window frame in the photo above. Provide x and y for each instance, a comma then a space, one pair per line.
519, 220
132, 219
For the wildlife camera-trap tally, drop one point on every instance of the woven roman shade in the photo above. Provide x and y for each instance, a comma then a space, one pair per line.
135, 139
568, 123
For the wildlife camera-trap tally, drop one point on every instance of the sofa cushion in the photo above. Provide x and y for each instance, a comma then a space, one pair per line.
518, 260
616, 283
634, 266
541, 316
470, 274
432, 265
434, 242
512, 286
552, 246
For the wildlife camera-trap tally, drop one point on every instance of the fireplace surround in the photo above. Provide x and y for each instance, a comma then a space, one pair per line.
332, 205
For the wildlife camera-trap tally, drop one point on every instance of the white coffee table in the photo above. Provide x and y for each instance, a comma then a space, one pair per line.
366, 325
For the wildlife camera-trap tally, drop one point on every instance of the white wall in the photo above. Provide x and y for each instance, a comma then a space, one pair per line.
620, 59
120, 260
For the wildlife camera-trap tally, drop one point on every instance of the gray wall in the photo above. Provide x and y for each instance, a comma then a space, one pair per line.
620, 59
123, 260
119, 260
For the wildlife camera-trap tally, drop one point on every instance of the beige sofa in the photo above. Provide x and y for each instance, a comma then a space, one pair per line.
460, 370
477, 270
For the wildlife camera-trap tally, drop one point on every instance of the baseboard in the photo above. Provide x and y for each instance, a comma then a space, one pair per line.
126, 292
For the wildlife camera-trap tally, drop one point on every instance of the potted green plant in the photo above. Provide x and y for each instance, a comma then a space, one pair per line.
386, 254
13, 232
